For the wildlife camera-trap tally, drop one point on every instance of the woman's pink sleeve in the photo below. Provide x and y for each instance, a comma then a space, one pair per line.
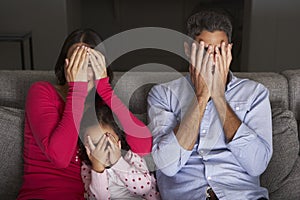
56, 133
138, 135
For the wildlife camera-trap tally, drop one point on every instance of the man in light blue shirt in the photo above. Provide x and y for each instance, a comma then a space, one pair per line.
212, 132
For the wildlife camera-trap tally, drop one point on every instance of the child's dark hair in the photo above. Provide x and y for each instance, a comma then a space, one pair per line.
100, 114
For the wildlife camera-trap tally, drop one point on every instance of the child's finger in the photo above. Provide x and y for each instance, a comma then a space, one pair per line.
101, 142
119, 144
90, 143
112, 144
113, 138
87, 149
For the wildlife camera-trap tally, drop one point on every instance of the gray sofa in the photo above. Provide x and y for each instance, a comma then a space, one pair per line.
282, 177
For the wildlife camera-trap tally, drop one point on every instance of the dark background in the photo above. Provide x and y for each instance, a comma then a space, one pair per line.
265, 35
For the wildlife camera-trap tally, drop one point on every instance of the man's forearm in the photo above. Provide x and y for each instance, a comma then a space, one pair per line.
228, 118
187, 131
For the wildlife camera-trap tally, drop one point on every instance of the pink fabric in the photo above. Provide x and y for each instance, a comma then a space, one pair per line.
130, 172
51, 170
138, 135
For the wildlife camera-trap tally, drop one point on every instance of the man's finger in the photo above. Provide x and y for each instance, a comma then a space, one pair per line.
229, 56
206, 59
200, 55
193, 54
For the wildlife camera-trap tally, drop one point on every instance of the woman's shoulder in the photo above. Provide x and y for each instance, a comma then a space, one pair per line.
42, 85
42, 88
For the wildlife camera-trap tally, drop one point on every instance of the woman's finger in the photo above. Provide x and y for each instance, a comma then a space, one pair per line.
82, 58
86, 63
66, 62
100, 60
100, 57
98, 65
74, 55
78, 58
67, 67
93, 62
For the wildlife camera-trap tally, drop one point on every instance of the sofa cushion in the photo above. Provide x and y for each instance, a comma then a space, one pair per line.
276, 83
285, 150
290, 186
11, 146
293, 77
14, 85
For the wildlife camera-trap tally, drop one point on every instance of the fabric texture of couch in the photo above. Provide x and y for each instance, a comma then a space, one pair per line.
282, 177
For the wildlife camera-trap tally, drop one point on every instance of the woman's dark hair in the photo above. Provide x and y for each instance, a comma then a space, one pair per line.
210, 20
104, 116
87, 36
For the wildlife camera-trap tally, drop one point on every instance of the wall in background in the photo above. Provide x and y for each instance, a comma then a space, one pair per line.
111, 17
273, 41
269, 43
49, 23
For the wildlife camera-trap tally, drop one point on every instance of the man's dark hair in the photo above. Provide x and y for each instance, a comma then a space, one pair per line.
210, 20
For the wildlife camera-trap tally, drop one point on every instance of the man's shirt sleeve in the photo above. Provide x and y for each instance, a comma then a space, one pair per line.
168, 155
252, 143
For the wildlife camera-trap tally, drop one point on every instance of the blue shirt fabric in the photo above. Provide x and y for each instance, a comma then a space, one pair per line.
231, 169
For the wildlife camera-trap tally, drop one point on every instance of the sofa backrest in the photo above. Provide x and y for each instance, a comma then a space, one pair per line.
133, 87
14, 85
293, 77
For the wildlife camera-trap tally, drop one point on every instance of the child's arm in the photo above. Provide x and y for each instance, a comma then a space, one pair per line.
95, 184
133, 172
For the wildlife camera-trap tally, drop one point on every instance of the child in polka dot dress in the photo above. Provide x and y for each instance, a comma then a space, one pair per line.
110, 170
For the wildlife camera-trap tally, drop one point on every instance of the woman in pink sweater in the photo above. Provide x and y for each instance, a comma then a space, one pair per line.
52, 165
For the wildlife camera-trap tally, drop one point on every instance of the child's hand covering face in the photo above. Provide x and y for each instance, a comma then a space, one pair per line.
103, 148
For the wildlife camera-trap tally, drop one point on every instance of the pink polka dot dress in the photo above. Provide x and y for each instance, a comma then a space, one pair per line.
129, 178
